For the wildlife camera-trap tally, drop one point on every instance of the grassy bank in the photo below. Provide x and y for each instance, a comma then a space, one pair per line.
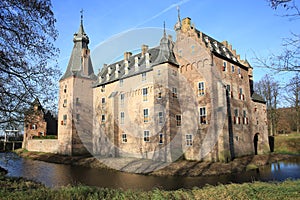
22, 189
287, 143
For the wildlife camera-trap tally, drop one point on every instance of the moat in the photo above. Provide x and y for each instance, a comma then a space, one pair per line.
55, 175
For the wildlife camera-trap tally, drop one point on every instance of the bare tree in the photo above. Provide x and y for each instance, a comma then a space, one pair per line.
27, 33
293, 97
269, 88
288, 59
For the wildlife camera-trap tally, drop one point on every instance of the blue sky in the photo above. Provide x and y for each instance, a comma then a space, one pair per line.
116, 26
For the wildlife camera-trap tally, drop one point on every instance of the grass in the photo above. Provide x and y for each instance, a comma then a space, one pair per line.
23, 189
287, 144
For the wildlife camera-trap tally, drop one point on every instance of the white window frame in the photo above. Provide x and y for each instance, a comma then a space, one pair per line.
160, 138
122, 117
160, 117
146, 136
146, 115
124, 138
202, 115
174, 92
145, 94
178, 120
144, 76
122, 98
201, 88
189, 140
103, 118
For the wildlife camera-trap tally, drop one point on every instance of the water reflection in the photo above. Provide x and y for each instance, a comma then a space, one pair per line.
54, 175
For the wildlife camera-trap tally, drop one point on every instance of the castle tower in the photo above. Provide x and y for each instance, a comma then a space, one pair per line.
76, 99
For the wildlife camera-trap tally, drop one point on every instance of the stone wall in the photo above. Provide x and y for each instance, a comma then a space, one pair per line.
48, 145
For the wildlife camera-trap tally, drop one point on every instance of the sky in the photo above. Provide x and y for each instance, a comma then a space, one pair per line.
252, 27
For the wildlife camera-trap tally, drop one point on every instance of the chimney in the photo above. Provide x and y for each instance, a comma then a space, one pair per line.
127, 55
144, 49
136, 63
147, 59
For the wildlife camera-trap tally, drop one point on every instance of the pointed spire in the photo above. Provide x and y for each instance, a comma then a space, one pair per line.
165, 29
81, 30
178, 11
178, 23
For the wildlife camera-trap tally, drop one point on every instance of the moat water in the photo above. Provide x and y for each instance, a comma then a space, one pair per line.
55, 175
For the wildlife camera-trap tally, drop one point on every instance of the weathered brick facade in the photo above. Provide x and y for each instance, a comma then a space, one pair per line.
193, 97
200, 102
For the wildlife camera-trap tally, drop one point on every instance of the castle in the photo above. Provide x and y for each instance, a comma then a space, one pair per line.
191, 97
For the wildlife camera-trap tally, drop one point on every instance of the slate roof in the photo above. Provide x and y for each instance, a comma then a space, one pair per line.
257, 98
218, 48
74, 68
158, 55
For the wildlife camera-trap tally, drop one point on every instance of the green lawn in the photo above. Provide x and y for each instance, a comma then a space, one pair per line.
22, 189
287, 143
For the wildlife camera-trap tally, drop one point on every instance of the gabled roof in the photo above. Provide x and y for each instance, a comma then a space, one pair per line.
157, 55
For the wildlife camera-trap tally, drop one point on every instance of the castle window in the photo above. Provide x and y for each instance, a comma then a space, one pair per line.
65, 103
77, 101
33, 127
178, 120
224, 68
232, 68
192, 49
77, 118
160, 117
103, 88
245, 118
124, 138
203, 115
146, 136
161, 138
64, 122
145, 94
174, 73
102, 118
122, 116
146, 115
65, 89
236, 118
158, 73
230, 92
201, 88
144, 76
121, 81
103, 100
174, 92
180, 53
122, 98
159, 95
241, 95
189, 139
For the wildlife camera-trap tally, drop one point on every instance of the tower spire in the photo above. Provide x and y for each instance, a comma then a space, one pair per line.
178, 11
178, 23
165, 29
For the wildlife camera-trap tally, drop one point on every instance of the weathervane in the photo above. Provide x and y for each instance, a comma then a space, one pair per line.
81, 11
